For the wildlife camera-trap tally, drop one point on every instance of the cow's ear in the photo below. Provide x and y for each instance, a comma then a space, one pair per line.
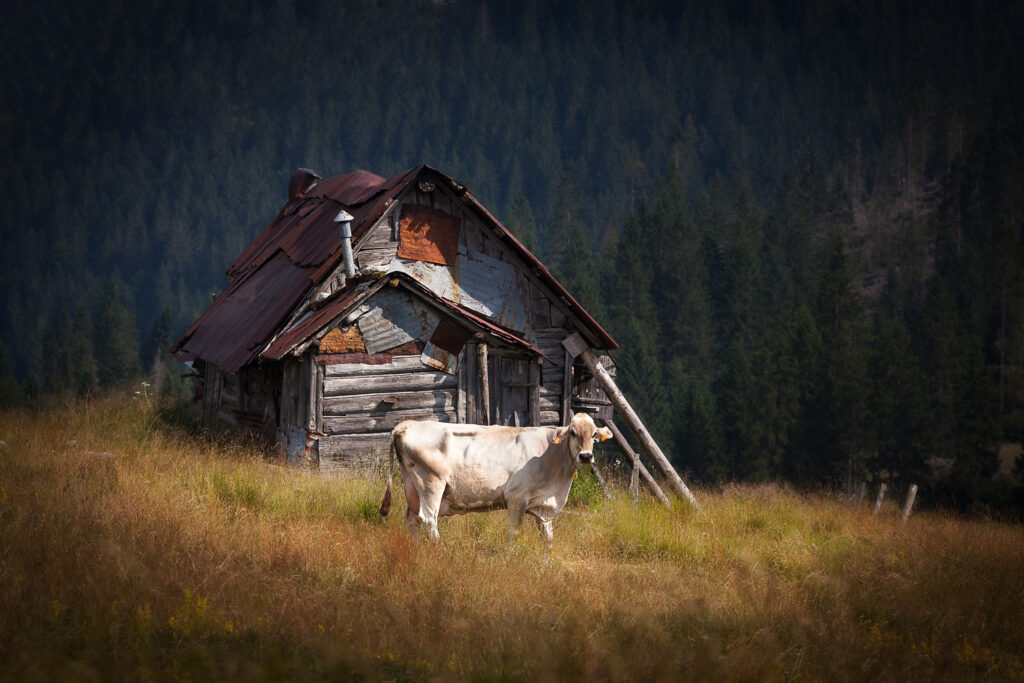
604, 433
560, 434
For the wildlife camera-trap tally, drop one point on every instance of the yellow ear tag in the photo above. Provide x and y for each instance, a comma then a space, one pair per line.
575, 475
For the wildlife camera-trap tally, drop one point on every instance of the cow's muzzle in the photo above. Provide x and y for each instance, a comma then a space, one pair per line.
586, 456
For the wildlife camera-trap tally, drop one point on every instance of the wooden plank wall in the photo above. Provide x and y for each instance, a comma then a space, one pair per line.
363, 402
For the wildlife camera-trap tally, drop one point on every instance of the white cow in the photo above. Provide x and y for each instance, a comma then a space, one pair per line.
455, 468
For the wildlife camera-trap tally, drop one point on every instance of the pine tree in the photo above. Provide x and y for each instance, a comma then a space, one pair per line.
580, 271
840, 411
521, 222
83, 364
158, 340
898, 407
57, 346
115, 340
10, 391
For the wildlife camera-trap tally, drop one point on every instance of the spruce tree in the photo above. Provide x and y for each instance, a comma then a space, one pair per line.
83, 364
115, 340
10, 391
840, 411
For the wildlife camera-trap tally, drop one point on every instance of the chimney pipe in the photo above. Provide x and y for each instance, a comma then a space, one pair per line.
345, 219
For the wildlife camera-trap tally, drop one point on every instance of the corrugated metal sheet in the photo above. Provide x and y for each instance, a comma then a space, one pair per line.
343, 341
312, 324
488, 285
438, 358
462, 313
426, 234
395, 318
231, 332
478, 282
444, 349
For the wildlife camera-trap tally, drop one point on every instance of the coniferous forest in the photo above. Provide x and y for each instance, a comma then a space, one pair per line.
802, 221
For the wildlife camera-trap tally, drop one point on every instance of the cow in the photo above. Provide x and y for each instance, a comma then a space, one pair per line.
452, 469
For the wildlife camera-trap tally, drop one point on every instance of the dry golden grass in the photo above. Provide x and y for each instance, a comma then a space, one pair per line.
131, 550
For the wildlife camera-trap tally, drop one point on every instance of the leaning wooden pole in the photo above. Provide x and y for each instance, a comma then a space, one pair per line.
575, 345
623, 445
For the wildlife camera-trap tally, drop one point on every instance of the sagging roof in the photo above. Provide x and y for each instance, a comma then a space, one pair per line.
301, 247
352, 297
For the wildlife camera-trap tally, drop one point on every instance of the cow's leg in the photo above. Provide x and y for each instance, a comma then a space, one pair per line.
545, 529
430, 505
412, 507
515, 518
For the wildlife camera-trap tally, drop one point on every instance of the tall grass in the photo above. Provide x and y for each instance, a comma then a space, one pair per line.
133, 549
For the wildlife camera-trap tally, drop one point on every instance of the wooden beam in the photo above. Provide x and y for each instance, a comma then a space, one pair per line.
632, 456
407, 381
534, 394
909, 505
485, 388
566, 388
600, 479
575, 345
881, 497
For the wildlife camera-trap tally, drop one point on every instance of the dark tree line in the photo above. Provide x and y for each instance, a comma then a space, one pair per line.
801, 220
755, 350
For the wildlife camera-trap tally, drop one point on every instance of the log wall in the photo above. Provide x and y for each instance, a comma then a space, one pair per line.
361, 403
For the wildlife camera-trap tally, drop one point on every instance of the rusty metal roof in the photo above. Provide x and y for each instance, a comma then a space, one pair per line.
300, 247
307, 327
356, 295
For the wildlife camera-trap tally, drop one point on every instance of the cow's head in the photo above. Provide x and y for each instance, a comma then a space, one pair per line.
579, 436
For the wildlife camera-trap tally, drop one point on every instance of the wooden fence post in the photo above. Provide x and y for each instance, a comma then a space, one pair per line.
575, 345
860, 494
634, 457
881, 496
911, 494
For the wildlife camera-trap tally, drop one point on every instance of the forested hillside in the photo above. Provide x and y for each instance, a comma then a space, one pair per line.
804, 222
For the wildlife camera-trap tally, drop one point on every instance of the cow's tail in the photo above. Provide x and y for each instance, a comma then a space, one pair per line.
385, 505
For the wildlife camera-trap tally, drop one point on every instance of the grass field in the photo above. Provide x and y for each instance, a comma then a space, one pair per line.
131, 549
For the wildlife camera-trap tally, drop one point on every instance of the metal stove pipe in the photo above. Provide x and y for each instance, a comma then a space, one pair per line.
345, 219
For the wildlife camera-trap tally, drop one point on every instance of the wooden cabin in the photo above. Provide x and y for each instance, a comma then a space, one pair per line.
431, 310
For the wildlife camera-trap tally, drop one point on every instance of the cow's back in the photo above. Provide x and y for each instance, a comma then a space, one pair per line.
475, 461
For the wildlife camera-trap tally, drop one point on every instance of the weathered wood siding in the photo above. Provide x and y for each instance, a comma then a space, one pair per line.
362, 402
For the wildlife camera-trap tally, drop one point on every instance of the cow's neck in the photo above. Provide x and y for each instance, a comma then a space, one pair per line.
560, 459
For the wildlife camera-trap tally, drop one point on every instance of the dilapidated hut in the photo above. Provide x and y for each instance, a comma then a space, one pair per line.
368, 301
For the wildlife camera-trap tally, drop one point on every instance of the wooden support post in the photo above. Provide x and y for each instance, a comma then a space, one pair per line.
567, 388
485, 387
860, 494
881, 497
634, 458
535, 393
634, 482
600, 479
575, 345
911, 494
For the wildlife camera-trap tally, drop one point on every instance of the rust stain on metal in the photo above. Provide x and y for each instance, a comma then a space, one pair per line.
343, 341
426, 234
439, 359
412, 348
444, 349
450, 336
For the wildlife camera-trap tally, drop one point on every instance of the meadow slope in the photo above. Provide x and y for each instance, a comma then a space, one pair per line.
133, 549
